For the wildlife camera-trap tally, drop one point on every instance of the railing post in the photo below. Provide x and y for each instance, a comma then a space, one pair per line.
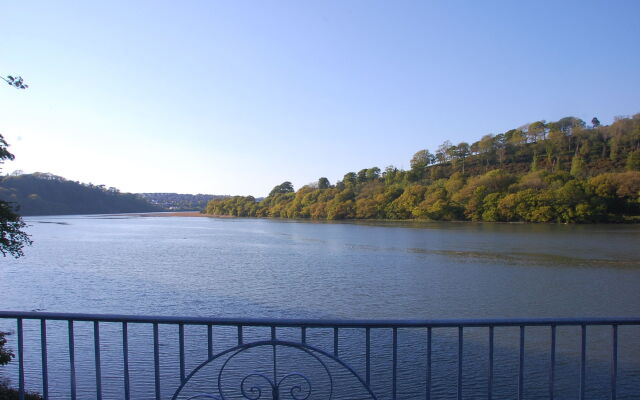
125, 359
521, 365
367, 340
490, 377
614, 361
43, 360
429, 338
395, 362
552, 363
20, 360
583, 361
156, 359
210, 340
460, 353
72, 361
181, 345
96, 346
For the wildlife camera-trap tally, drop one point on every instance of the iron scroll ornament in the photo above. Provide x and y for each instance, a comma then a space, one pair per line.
295, 384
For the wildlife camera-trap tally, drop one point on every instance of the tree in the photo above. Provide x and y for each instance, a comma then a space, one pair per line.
12, 237
323, 183
5, 354
361, 177
373, 173
349, 179
537, 131
462, 152
595, 122
420, 161
485, 146
284, 187
442, 155
577, 167
633, 161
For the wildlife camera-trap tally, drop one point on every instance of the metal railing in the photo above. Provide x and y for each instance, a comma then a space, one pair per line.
344, 351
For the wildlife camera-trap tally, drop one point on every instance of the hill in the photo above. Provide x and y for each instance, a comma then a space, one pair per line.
47, 194
562, 171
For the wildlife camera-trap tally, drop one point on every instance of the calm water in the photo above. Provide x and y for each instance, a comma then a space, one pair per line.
266, 268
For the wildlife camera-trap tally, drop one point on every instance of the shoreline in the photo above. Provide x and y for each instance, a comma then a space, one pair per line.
373, 220
192, 214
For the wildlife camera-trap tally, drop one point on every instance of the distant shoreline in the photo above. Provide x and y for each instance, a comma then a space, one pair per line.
182, 214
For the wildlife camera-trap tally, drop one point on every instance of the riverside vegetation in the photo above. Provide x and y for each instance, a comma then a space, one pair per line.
563, 171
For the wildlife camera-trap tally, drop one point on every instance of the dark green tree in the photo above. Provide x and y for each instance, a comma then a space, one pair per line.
12, 236
5, 354
284, 187
323, 183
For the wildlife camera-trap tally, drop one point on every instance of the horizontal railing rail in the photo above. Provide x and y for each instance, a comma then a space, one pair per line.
328, 354
322, 323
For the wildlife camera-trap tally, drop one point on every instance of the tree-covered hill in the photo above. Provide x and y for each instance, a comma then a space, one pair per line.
46, 194
562, 171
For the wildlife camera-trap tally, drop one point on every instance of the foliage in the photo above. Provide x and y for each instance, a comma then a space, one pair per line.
6, 355
562, 171
12, 237
8, 393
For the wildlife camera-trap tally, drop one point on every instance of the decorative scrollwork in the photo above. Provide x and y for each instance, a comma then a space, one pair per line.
255, 385
296, 390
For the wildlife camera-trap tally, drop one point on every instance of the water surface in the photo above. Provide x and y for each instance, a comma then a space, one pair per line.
295, 269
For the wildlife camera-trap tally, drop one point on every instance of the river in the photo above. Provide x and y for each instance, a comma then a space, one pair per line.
297, 269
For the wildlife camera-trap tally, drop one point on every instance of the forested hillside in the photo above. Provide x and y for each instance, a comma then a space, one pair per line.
46, 194
562, 171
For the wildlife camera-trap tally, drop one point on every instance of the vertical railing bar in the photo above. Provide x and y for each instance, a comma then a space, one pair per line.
275, 356
43, 350
521, 365
240, 339
583, 360
395, 362
490, 378
181, 345
20, 359
367, 334
335, 342
125, 360
210, 340
552, 362
614, 362
156, 358
72, 361
429, 333
304, 335
460, 351
96, 348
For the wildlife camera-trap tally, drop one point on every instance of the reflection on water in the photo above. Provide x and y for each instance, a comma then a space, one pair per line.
266, 268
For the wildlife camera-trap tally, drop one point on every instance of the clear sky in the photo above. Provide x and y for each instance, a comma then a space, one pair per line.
234, 97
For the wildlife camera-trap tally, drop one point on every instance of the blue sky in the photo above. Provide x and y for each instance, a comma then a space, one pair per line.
235, 97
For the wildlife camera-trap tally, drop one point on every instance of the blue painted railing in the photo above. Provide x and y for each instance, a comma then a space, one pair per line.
277, 383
